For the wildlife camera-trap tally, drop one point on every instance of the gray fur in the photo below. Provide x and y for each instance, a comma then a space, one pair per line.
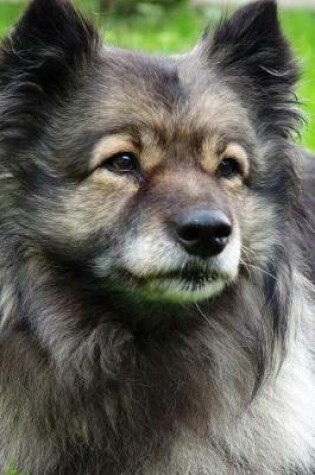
94, 379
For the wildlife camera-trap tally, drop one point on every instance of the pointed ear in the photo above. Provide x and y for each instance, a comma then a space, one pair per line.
48, 44
254, 57
40, 64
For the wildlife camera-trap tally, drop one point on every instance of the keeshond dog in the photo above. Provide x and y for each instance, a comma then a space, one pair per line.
157, 253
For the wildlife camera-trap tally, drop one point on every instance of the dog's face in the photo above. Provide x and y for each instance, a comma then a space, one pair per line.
163, 177
154, 174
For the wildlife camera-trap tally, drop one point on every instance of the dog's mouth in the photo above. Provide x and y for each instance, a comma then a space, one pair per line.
192, 277
186, 284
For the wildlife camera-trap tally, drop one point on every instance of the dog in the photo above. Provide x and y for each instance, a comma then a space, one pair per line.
157, 253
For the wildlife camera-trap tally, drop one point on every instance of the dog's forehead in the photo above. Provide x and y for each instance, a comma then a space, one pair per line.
165, 93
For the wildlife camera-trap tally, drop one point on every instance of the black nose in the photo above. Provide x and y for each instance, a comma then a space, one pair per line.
203, 233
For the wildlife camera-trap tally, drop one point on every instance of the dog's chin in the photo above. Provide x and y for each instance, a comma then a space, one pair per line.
179, 290
178, 287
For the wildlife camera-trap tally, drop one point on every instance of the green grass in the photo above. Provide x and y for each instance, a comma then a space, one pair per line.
300, 29
12, 471
154, 29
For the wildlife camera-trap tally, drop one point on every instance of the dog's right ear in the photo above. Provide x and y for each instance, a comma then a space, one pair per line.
48, 44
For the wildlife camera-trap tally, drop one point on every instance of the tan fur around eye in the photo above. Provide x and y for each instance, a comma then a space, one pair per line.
109, 146
234, 150
211, 157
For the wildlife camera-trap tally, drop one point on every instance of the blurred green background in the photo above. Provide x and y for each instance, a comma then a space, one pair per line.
175, 25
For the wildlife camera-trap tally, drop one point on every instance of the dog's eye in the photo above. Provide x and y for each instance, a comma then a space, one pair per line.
229, 168
124, 162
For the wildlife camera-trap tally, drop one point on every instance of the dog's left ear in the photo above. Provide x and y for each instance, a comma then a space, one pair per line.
252, 55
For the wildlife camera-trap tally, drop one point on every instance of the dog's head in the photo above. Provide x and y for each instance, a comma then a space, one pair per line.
157, 175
